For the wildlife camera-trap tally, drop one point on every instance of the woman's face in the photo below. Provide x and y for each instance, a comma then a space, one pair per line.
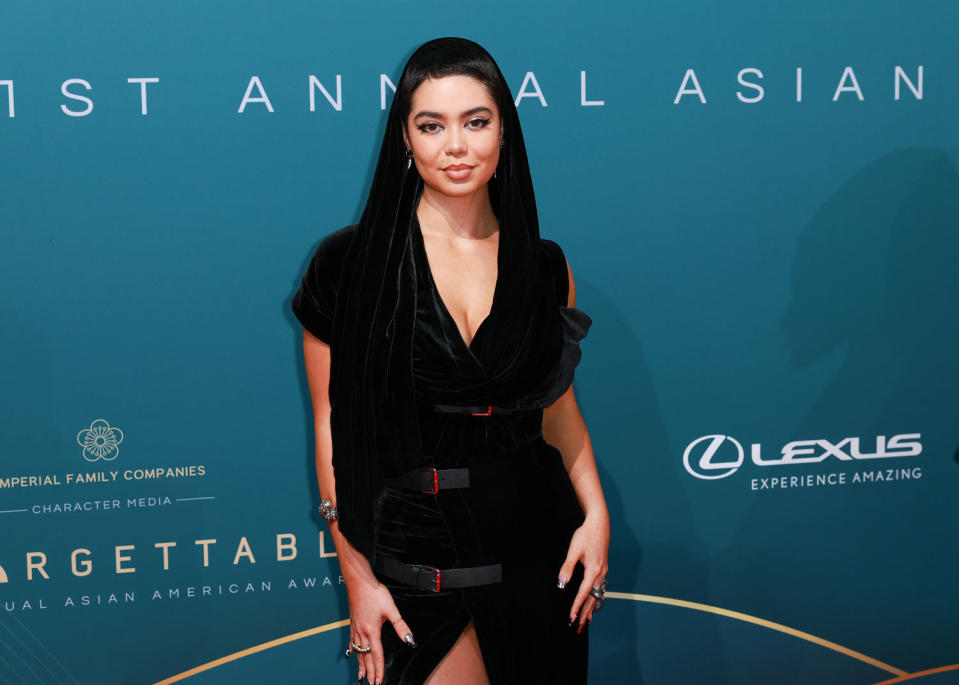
454, 130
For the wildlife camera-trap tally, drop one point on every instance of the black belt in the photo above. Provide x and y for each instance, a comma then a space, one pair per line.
430, 578
485, 410
430, 480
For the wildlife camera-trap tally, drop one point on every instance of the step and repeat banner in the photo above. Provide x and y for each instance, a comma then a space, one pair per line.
760, 204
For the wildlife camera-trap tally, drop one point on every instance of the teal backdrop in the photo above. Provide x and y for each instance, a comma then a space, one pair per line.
760, 204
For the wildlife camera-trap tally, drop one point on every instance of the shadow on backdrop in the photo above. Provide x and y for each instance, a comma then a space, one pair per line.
654, 547
873, 280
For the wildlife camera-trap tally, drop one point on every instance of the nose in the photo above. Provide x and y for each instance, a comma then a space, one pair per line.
455, 143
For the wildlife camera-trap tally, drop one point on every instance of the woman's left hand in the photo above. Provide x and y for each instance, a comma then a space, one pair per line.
590, 547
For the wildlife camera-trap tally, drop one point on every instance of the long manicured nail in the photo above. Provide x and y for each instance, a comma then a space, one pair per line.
562, 581
571, 621
580, 629
408, 639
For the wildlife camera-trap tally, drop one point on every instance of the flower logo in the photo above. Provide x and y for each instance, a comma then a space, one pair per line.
100, 441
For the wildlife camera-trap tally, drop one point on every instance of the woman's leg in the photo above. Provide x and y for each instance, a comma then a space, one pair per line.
463, 664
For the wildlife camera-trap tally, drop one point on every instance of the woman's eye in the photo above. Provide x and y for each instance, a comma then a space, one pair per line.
429, 127
477, 122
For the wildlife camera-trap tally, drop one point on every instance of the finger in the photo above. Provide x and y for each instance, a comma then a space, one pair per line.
359, 657
364, 660
379, 667
589, 578
369, 667
593, 603
403, 630
586, 615
566, 571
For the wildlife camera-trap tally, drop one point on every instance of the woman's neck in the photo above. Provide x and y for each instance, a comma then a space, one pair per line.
470, 216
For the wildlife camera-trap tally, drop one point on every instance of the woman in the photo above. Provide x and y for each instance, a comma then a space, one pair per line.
440, 341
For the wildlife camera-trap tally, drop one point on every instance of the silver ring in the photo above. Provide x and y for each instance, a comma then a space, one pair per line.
600, 595
598, 592
361, 650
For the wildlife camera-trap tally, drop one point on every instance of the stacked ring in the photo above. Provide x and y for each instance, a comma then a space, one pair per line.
356, 648
600, 595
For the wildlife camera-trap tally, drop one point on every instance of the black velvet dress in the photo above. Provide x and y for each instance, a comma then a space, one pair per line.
520, 509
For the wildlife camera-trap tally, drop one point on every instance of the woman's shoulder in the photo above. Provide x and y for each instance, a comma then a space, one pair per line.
551, 248
333, 247
315, 301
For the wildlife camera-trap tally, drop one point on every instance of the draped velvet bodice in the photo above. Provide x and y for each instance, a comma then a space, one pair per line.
448, 371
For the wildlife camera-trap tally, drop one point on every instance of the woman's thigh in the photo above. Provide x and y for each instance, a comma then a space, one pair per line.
463, 664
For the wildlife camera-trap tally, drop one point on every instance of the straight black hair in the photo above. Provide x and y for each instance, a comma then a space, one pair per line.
450, 57
374, 420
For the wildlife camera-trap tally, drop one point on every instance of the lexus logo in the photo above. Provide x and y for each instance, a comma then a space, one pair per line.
717, 456
708, 466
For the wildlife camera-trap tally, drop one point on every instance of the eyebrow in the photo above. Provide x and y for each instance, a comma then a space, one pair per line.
438, 115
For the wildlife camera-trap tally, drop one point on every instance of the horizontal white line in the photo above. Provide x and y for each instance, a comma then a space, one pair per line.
12, 511
190, 499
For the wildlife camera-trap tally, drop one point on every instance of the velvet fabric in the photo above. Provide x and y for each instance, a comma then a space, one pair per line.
373, 422
520, 509
395, 351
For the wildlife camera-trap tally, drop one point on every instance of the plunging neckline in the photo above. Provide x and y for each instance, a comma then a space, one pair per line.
439, 298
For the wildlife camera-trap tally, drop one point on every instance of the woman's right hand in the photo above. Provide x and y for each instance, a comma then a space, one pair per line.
370, 605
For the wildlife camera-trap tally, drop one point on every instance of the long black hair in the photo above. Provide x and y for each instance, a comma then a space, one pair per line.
374, 421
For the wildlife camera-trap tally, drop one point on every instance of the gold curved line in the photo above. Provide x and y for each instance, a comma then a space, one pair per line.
903, 675
253, 650
760, 622
919, 674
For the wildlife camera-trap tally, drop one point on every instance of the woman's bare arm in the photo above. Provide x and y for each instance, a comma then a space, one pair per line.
565, 429
316, 354
370, 601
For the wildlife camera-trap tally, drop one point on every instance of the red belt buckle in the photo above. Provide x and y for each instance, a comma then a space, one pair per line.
436, 481
437, 576
489, 410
